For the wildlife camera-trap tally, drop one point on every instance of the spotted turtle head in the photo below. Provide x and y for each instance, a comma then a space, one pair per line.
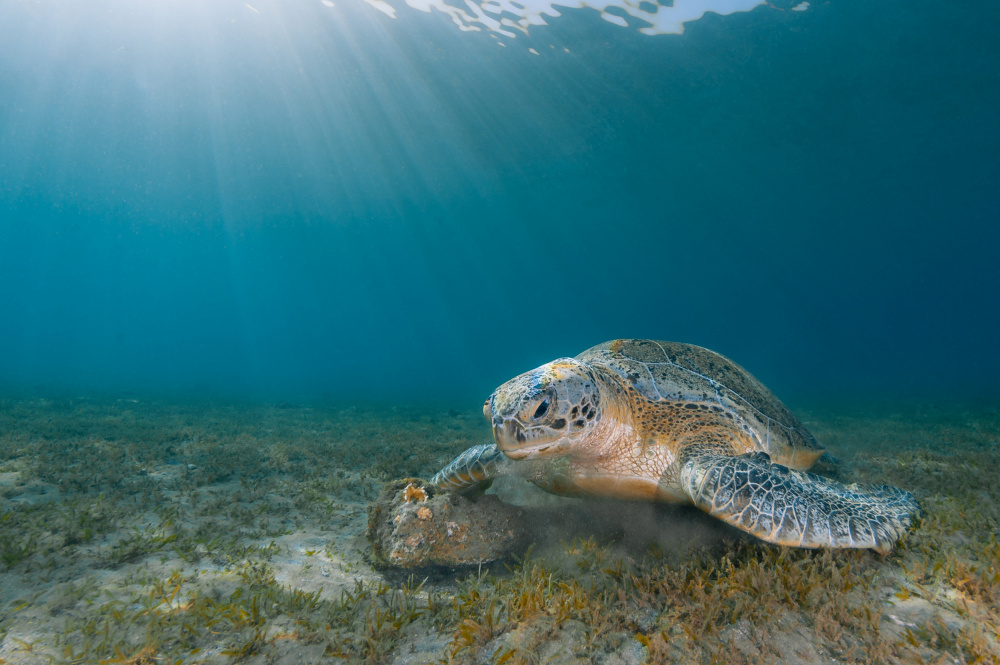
542, 413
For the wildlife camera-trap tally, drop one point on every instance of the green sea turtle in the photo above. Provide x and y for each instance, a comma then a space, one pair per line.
663, 421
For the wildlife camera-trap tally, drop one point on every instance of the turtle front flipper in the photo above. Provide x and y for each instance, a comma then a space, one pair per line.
795, 508
473, 470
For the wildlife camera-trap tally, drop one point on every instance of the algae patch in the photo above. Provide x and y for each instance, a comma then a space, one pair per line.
164, 532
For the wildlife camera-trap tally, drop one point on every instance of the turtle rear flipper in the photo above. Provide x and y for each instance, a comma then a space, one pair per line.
473, 471
795, 508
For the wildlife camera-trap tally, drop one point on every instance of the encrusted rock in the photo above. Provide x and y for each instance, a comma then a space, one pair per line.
411, 524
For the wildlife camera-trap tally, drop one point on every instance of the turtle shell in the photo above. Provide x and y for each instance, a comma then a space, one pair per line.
670, 371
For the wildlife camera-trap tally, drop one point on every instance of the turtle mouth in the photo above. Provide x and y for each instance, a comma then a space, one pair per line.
527, 453
516, 443
510, 433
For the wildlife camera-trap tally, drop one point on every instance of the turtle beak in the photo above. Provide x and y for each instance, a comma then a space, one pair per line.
509, 436
512, 442
488, 408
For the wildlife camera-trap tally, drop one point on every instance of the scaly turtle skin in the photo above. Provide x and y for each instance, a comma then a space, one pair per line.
663, 421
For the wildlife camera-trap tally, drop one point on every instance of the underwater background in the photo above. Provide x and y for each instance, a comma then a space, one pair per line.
261, 261
350, 200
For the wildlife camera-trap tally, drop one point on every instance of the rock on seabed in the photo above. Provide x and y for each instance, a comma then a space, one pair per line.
411, 524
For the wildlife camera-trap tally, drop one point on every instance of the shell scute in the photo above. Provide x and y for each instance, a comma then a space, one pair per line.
661, 371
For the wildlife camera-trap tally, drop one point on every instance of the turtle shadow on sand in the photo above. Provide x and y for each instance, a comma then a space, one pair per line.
411, 526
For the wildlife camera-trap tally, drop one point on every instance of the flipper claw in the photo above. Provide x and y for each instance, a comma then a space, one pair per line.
473, 471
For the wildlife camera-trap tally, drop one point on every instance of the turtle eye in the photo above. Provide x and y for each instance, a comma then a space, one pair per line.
542, 409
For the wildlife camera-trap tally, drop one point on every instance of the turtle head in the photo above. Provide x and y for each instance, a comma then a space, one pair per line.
542, 413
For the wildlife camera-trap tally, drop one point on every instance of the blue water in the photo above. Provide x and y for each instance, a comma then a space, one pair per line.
288, 200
